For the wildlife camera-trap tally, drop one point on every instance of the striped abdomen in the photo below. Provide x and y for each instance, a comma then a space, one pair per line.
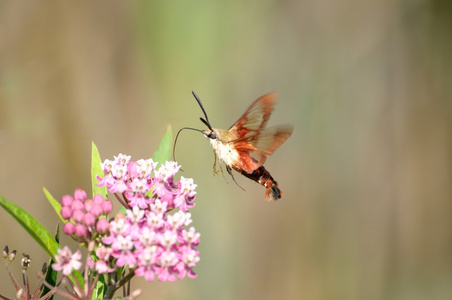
263, 177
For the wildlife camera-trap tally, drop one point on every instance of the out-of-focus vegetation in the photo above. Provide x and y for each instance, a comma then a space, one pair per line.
367, 174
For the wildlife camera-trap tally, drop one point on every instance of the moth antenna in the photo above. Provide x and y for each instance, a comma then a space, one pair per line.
177, 135
206, 121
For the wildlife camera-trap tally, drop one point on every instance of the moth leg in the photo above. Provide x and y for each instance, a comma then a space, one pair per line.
215, 172
229, 169
222, 173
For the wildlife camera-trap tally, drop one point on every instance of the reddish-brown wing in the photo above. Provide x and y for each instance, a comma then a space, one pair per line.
256, 116
254, 141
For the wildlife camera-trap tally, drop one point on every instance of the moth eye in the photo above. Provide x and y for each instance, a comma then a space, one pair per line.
212, 135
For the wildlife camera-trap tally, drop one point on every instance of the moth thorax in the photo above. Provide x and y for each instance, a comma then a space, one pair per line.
225, 151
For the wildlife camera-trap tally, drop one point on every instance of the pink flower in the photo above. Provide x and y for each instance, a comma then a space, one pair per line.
118, 227
164, 183
67, 261
107, 206
155, 221
69, 228
178, 220
80, 194
66, 200
66, 212
80, 230
96, 210
188, 259
118, 185
190, 237
122, 250
77, 204
166, 272
167, 239
107, 181
147, 263
78, 216
122, 159
146, 238
89, 219
102, 226
101, 265
185, 194
138, 198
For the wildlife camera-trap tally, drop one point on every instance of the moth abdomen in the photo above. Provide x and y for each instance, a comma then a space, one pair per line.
263, 177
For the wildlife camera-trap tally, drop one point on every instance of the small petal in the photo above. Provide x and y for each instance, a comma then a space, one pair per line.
66, 200
96, 210
66, 212
69, 228
107, 207
80, 194
77, 205
80, 230
89, 219
78, 216
102, 226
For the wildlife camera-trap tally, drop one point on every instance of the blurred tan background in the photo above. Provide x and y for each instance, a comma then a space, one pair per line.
367, 174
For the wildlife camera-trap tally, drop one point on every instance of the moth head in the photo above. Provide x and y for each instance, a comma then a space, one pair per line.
210, 134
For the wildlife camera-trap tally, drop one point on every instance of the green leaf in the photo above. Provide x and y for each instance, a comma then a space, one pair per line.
51, 275
55, 204
163, 152
99, 290
96, 170
32, 226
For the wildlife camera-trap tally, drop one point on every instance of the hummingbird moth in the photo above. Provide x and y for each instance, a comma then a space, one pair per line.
244, 147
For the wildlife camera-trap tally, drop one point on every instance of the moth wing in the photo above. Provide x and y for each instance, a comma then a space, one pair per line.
253, 150
256, 116
250, 159
270, 139
254, 142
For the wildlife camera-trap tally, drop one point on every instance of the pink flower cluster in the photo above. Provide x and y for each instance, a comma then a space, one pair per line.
152, 238
134, 181
84, 215
148, 237
156, 243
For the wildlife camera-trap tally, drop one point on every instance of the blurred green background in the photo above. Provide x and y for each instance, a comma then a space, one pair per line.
366, 175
